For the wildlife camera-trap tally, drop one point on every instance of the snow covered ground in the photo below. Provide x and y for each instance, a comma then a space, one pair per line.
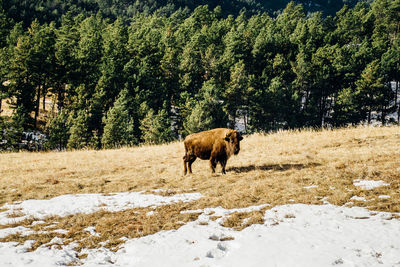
369, 184
88, 203
292, 235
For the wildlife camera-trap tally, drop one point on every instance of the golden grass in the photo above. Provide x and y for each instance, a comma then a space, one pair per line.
241, 220
110, 226
15, 214
270, 169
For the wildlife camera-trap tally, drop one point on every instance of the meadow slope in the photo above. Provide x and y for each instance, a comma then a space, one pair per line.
272, 168
339, 167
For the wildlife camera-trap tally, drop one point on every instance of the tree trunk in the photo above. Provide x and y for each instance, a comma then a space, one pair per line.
37, 106
322, 111
398, 106
234, 120
395, 96
44, 95
61, 96
44, 100
306, 101
246, 117
369, 115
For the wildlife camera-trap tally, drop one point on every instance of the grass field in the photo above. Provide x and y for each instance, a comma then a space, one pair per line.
282, 168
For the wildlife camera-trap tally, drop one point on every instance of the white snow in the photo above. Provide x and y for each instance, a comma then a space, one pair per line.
92, 230
310, 236
292, 235
310, 186
369, 184
14, 230
87, 203
358, 198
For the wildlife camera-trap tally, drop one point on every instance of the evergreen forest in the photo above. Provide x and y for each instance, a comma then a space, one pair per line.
105, 74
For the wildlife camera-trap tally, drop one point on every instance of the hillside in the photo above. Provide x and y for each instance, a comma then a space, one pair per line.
47, 11
265, 185
156, 78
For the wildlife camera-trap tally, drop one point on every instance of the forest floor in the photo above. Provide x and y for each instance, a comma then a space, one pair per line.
44, 110
114, 202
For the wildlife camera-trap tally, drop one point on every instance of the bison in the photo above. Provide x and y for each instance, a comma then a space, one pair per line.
216, 145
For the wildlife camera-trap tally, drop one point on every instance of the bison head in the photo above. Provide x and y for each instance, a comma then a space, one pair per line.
233, 138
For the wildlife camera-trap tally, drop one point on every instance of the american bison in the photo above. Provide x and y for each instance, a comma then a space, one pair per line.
216, 145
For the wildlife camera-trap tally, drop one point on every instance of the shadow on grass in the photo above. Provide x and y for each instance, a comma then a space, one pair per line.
272, 167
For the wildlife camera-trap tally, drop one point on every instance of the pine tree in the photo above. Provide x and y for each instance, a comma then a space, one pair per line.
156, 128
79, 134
235, 91
4, 26
66, 76
11, 130
114, 58
346, 109
57, 131
119, 125
207, 112
324, 84
372, 93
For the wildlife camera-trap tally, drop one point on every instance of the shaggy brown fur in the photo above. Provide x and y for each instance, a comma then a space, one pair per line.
216, 145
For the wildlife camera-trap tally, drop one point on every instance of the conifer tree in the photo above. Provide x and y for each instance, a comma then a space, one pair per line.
57, 131
11, 130
118, 124
79, 134
114, 58
235, 91
372, 93
156, 128
207, 112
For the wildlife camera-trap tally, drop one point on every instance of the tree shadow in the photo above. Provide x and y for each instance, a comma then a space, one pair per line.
272, 167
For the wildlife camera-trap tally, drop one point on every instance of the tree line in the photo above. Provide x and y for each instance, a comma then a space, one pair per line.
157, 77
47, 11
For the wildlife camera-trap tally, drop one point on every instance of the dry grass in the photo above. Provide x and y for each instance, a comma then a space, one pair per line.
241, 220
15, 214
109, 226
270, 169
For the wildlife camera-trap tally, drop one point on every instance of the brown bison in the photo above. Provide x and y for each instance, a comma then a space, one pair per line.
217, 145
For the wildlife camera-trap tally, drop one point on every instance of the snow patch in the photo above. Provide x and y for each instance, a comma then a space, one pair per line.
60, 231
313, 236
357, 198
92, 230
310, 186
15, 230
369, 184
292, 235
88, 203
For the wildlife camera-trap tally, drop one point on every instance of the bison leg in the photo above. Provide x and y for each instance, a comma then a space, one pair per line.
187, 162
184, 165
213, 164
223, 164
191, 160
